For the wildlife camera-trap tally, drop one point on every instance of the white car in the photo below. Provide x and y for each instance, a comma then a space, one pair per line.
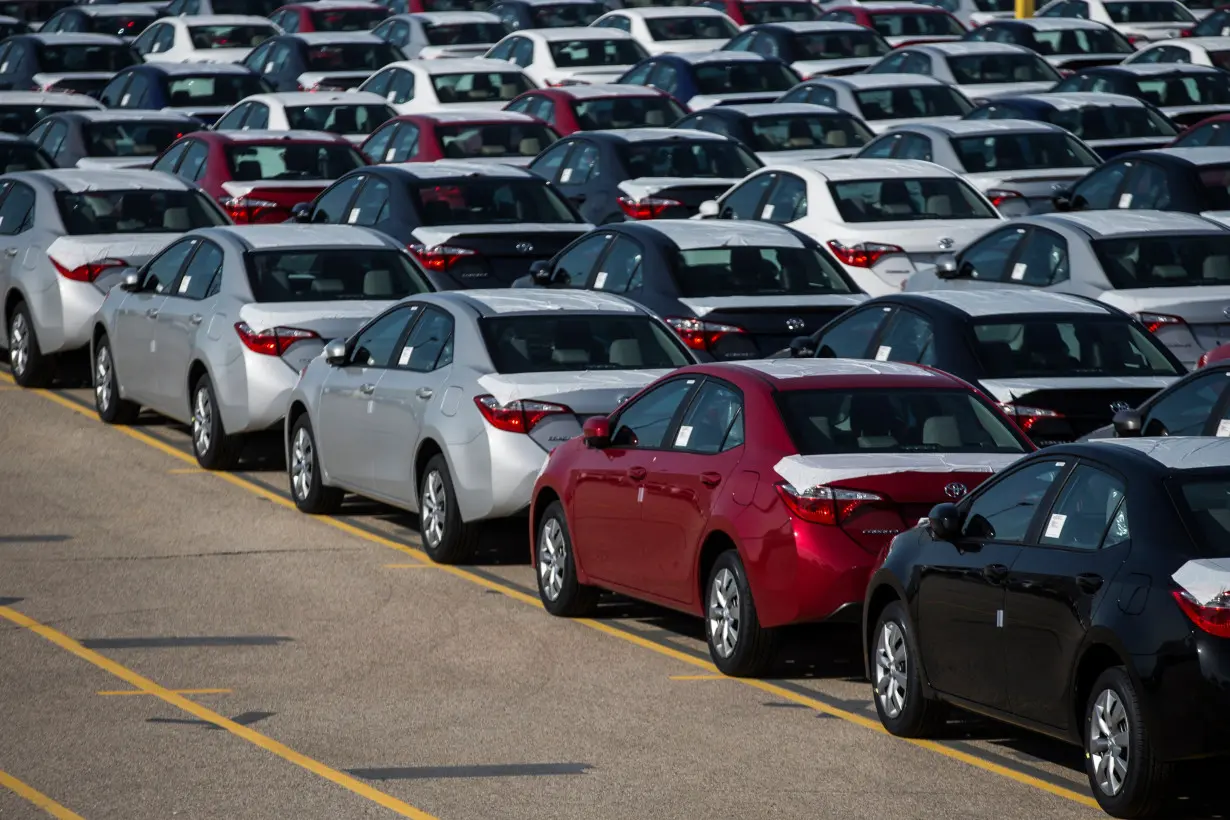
882, 218
431, 35
1137, 20
672, 29
417, 86
570, 56
975, 12
216, 38
190, 8
1208, 51
21, 110
884, 101
353, 114
819, 46
979, 70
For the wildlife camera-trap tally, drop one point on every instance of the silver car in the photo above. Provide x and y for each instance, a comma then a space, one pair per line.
448, 404
66, 236
215, 330
979, 70
884, 101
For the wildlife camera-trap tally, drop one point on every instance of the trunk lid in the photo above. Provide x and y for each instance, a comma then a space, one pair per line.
592, 75
769, 323
329, 320
922, 240
907, 40
880, 126
332, 80
1109, 149
1037, 188
116, 163
1075, 62
689, 191
833, 68
805, 154
283, 194
710, 100
1203, 308
1084, 404
133, 248
681, 46
986, 91
1187, 115
503, 253
89, 83
207, 114
454, 52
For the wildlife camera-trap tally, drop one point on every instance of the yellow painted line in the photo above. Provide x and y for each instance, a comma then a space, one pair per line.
176, 691
705, 665
698, 677
254, 737
37, 798
185, 470
410, 566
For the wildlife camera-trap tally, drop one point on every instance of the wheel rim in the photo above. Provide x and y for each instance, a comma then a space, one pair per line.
1109, 734
552, 559
724, 620
433, 512
302, 463
892, 669
19, 343
202, 421
102, 379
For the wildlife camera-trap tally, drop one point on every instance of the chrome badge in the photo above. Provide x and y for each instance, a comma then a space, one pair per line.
955, 490
794, 324
1119, 406
946, 243
525, 247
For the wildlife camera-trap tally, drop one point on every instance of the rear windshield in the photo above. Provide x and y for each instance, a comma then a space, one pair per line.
122, 25
22, 158
456, 5
465, 34
741, 77
1001, 68
570, 342
573, 53
1022, 152
566, 14
1151, 12
752, 271
1045, 347
131, 139
327, 274
489, 201
257, 8
839, 45
898, 200
352, 56
761, 11
1110, 122
347, 19
907, 102
494, 139
54, 59
627, 112
1204, 504
706, 27
1190, 89
338, 119
680, 158
19, 119
222, 36
487, 86
797, 132
137, 211
213, 89
1081, 41
823, 422
1165, 262
920, 24
291, 162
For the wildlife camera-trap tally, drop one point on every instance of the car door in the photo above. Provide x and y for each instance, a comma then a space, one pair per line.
405, 144
959, 601
745, 200
188, 305
1041, 260
1148, 187
908, 337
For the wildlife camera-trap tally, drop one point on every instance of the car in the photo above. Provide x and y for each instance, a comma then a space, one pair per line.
979, 70
109, 139
192, 8
471, 224
567, 56
21, 110
321, 61
901, 24
1110, 124
785, 131
82, 63
125, 20
1213, 24
10, 25
1171, 271
353, 114
1186, 94
1192, 406
756, 12
598, 107
328, 15
814, 49
259, 176
430, 35
884, 101
491, 136
1211, 51
1217, 354
1109, 640
470, 391
973, 13
1015, 163
238, 312
1189, 180
672, 29
701, 80
209, 38
68, 235
18, 153
731, 291
643, 173
1141, 21
201, 90
523, 14
1065, 43
1208, 132
428, 86
417, 6
768, 489
881, 218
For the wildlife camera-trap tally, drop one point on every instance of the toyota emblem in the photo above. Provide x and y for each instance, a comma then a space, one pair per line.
525, 247
1119, 406
946, 243
955, 490
794, 324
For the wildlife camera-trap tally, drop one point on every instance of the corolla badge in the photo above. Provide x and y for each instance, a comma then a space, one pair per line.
525, 247
946, 243
794, 324
955, 490
1119, 406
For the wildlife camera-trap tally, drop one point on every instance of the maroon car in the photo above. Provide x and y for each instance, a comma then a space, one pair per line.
573, 108
499, 136
906, 24
754, 12
1212, 131
259, 176
329, 15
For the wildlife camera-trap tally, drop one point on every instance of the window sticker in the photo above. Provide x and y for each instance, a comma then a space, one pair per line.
1125, 200
124, 99
567, 175
601, 280
1223, 428
354, 215
1018, 271
685, 433
883, 352
389, 154
183, 283
767, 211
1055, 526
404, 358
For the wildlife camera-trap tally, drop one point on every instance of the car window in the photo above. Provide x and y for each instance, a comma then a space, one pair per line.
17, 212
549, 161
664, 77
331, 207
1042, 261
377, 144
787, 202
709, 420
193, 165
258, 118
401, 87
429, 345
909, 337
1184, 411
371, 206
849, 338
233, 119
582, 165
199, 276
743, 202
987, 259
373, 347
166, 163
914, 146
644, 423
54, 139
1148, 187
1090, 512
574, 265
881, 148
620, 270
164, 270
1096, 192
1004, 511
405, 144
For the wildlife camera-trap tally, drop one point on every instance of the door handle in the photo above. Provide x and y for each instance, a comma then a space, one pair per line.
1089, 582
196, 318
152, 313
367, 389
995, 573
424, 393
637, 473
711, 479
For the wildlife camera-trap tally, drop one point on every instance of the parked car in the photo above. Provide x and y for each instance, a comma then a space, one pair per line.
979, 70
1140, 21
492, 136
566, 56
109, 139
193, 8
213, 38
1210, 51
352, 114
125, 20
82, 63
901, 24
672, 29
418, 6
10, 25
431, 35
473, 391
598, 107
785, 131
21, 110
201, 90
973, 13
1193, 406
68, 235
884, 101
1065, 43
1214, 24
701, 80
1186, 94
18, 153
320, 61
756, 12
814, 49
528, 14
1191, 180
1206, 133
422, 86
328, 15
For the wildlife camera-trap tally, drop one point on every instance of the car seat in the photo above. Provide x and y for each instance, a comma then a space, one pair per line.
939, 205
871, 421
625, 353
1043, 346
181, 99
274, 285
895, 199
1008, 154
799, 135
655, 118
378, 284
247, 170
176, 219
529, 147
836, 138
344, 121
1216, 268
941, 431
437, 212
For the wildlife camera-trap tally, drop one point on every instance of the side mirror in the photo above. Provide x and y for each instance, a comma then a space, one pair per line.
708, 209
802, 347
596, 431
301, 212
946, 267
1127, 423
131, 282
540, 272
1061, 200
335, 352
945, 521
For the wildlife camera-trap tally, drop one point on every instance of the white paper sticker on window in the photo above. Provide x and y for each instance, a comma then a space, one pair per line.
567, 175
1125, 200
183, 284
4, 67
124, 99
1055, 526
354, 215
1018, 271
404, 358
269, 66
600, 280
1223, 428
388, 155
767, 211
685, 433
883, 352
391, 96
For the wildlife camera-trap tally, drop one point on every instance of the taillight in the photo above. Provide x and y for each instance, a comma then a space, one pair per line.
1187, 32
650, 207
698, 334
89, 271
314, 87
823, 505
1027, 417
862, 254
1213, 617
243, 210
1202, 361
1154, 322
439, 257
272, 342
520, 416
999, 196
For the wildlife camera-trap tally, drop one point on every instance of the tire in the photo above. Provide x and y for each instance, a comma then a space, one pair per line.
446, 538
1127, 777
111, 408
307, 489
896, 681
738, 644
30, 367
213, 448
556, 569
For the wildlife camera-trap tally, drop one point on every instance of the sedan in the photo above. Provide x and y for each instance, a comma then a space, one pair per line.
1196, 405
125, 20
979, 70
1191, 180
901, 24
1064, 43
1140, 21
524, 14
328, 15
575, 108
82, 63
215, 330
1211, 51
21, 110
212, 38
672, 30
1214, 24
1215, 131
431, 35
422, 86
353, 114
18, 153
814, 49
757, 12
194, 8
701, 80
567, 56
69, 236
1094, 574
201, 90
449, 404
1186, 94
491, 136
757, 494
110, 139
332, 61
785, 131
884, 101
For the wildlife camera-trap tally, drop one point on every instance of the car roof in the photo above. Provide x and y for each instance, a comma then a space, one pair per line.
690, 234
811, 26
257, 136
855, 169
702, 57
451, 169
776, 109
651, 134
338, 5
290, 235
453, 117
324, 38
48, 98
1201, 42
653, 12
860, 82
1053, 23
185, 69
117, 10
982, 303
1153, 69
1174, 452
79, 180
74, 39
220, 20
564, 33
317, 98
440, 18
603, 91
1200, 156
1068, 100
962, 128
1100, 224
804, 373
962, 48
120, 115
505, 301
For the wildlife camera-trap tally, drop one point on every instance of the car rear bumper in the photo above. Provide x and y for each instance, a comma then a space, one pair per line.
1188, 698
254, 396
64, 314
494, 473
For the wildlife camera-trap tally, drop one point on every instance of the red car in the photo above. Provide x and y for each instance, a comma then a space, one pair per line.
417, 6
500, 136
259, 176
573, 108
1213, 131
329, 15
753, 12
901, 25
758, 494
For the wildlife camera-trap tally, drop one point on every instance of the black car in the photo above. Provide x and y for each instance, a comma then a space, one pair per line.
1079, 593
1061, 365
1191, 180
21, 154
1067, 43
334, 61
21, 110
125, 20
12, 25
1184, 93
791, 130
737, 290
520, 14
1216, 24
1196, 405
202, 90
643, 173
827, 48
470, 224
66, 62
110, 139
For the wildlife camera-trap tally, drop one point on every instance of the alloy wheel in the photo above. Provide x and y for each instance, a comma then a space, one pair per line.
202, 421
552, 559
302, 463
724, 613
102, 378
19, 343
892, 659
434, 510
1109, 735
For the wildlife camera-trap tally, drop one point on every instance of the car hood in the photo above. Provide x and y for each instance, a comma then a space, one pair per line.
986, 91
1009, 389
704, 305
821, 68
585, 391
804, 472
440, 234
116, 163
642, 187
709, 100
